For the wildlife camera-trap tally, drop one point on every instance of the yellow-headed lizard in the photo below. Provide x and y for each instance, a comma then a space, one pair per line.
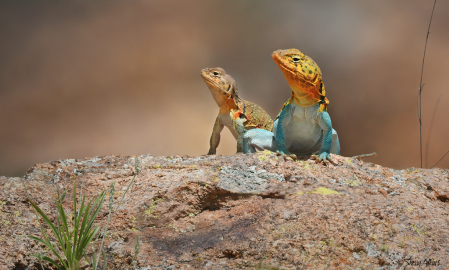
235, 113
303, 127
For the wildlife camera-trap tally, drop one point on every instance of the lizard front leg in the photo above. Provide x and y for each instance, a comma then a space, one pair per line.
215, 137
240, 128
335, 148
325, 123
281, 146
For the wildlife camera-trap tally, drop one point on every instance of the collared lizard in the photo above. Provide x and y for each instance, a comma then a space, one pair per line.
303, 127
235, 113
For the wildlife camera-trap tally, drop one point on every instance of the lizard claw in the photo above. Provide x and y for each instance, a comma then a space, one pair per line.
288, 154
211, 152
323, 157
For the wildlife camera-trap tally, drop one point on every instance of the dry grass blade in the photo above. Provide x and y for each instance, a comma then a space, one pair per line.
136, 252
421, 85
440, 160
111, 202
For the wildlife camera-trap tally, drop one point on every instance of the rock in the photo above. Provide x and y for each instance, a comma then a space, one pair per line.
242, 211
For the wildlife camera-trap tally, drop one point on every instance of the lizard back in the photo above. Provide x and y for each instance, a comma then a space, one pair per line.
256, 117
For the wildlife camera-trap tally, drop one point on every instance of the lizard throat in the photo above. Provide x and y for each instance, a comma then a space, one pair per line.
225, 103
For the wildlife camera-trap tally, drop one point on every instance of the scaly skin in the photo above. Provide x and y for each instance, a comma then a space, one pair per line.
303, 76
303, 126
235, 113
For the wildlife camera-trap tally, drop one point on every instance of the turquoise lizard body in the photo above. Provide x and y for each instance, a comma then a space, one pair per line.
303, 127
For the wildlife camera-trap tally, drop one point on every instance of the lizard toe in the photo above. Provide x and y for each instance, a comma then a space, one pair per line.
286, 154
324, 158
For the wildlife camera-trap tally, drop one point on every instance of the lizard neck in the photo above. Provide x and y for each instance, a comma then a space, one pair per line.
305, 96
305, 99
227, 106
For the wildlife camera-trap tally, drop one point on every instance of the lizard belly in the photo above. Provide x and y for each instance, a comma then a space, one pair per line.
303, 135
227, 121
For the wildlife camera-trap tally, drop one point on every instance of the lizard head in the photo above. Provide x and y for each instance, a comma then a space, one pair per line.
303, 76
222, 86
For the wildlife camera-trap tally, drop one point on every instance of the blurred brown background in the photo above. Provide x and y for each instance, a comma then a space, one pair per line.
81, 79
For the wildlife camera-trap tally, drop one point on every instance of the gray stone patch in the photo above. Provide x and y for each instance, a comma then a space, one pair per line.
77, 171
200, 158
287, 214
118, 248
39, 175
246, 179
371, 249
393, 258
175, 160
397, 171
93, 160
143, 159
397, 179
67, 162
267, 175
55, 178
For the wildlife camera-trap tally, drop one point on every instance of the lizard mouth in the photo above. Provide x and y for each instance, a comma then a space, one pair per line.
216, 87
284, 67
208, 80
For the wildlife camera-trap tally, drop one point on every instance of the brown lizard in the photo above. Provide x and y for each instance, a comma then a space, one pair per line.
235, 113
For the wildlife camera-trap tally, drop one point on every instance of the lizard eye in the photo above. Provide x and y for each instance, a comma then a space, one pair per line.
296, 59
216, 73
